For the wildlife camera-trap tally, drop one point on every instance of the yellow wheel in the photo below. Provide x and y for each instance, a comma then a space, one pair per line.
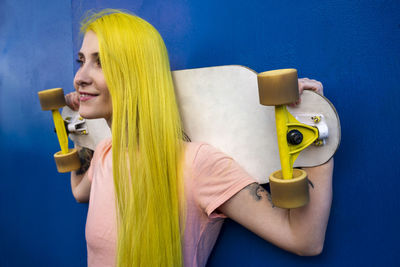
289, 193
278, 87
52, 99
67, 162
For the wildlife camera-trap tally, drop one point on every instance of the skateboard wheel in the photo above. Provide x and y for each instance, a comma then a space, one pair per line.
67, 162
52, 99
278, 87
289, 193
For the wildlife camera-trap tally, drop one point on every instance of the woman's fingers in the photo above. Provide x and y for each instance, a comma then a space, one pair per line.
72, 100
308, 84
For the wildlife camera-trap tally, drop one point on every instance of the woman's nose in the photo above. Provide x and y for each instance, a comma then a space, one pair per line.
82, 77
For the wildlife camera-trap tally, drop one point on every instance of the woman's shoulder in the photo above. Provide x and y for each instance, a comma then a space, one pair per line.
103, 147
106, 142
195, 149
202, 153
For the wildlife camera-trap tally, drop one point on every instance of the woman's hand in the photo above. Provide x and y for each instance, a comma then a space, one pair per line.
72, 100
309, 84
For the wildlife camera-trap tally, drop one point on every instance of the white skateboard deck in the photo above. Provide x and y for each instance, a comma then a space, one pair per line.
220, 106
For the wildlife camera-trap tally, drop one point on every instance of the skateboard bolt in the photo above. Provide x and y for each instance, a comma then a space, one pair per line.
316, 119
294, 137
318, 143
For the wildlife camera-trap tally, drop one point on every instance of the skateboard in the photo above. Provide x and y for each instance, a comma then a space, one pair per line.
221, 106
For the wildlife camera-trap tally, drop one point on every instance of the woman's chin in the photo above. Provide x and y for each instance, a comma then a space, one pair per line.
87, 112
87, 115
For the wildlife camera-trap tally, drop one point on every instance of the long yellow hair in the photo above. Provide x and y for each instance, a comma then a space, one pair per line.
147, 145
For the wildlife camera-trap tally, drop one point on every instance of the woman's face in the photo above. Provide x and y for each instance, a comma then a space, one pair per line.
89, 82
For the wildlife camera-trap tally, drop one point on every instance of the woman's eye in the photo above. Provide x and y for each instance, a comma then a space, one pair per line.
80, 62
98, 62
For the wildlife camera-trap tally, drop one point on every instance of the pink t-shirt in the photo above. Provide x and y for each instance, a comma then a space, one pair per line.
211, 178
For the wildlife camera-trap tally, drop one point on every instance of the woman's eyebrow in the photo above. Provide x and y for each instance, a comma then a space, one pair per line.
93, 55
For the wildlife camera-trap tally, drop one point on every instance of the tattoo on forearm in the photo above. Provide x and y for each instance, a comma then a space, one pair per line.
256, 190
270, 199
85, 156
310, 183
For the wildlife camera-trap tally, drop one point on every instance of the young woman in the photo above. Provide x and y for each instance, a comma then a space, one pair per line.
155, 199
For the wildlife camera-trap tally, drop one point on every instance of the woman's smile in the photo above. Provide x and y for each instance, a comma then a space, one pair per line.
83, 96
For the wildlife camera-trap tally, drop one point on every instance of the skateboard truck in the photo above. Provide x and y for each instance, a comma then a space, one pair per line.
67, 159
76, 125
289, 187
318, 121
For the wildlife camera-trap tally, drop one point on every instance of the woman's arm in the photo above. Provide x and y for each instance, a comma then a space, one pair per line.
80, 183
301, 230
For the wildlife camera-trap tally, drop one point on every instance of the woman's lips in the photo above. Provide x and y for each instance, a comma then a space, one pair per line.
86, 96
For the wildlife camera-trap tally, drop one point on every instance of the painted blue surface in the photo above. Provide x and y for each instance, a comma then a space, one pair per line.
40, 224
353, 47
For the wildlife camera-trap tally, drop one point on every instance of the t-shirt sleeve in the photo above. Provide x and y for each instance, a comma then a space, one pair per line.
96, 155
217, 177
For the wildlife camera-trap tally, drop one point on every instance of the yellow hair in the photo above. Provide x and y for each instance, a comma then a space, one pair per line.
147, 145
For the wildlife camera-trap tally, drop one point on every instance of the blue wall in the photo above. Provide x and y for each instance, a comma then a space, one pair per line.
40, 224
353, 47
